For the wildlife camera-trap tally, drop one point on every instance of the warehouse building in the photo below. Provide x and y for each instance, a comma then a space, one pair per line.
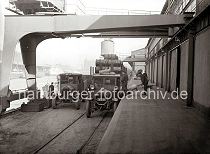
182, 61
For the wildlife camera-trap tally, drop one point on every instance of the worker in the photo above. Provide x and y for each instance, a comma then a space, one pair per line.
139, 73
51, 90
144, 79
124, 81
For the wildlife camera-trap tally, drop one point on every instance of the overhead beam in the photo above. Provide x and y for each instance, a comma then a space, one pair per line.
91, 24
114, 34
130, 34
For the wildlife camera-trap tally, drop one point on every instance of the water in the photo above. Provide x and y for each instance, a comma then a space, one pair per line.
20, 83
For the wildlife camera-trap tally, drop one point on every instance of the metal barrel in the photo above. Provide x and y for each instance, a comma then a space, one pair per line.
108, 62
110, 56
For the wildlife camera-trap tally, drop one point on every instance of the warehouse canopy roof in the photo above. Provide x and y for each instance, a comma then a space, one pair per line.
135, 59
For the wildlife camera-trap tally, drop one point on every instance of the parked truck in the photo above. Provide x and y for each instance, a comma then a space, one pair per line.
106, 84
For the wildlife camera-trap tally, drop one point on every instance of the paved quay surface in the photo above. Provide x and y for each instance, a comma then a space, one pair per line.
156, 126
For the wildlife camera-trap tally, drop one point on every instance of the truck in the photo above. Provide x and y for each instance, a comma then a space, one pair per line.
106, 85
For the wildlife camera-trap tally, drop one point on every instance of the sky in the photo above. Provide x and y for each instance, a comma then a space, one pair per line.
150, 5
75, 51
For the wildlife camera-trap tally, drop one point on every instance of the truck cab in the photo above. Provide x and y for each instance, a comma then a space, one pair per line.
105, 93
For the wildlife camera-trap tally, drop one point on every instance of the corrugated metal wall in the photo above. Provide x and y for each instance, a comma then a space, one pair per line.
155, 71
150, 71
173, 66
184, 65
160, 71
170, 69
202, 68
164, 72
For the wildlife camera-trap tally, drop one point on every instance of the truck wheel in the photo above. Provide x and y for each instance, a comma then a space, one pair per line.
2, 111
115, 106
88, 109
2, 107
77, 104
54, 103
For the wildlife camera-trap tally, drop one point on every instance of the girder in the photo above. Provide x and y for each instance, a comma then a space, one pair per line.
73, 24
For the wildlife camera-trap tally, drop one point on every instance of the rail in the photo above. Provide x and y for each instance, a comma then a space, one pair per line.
79, 151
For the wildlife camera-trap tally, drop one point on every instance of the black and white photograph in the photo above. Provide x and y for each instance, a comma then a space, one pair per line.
104, 76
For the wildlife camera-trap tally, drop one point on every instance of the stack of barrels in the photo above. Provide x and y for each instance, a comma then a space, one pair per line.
111, 62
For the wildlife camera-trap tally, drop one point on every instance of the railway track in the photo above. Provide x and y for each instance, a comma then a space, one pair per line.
87, 139
79, 151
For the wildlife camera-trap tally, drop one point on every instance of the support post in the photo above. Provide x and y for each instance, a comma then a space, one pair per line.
153, 69
28, 45
1, 52
2, 23
178, 67
157, 71
167, 67
169, 71
190, 78
7, 51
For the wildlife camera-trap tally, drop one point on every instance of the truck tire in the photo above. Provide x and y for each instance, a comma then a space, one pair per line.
115, 106
54, 103
77, 105
88, 109
2, 111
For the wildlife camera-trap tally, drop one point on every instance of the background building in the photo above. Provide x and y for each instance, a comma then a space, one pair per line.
137, 60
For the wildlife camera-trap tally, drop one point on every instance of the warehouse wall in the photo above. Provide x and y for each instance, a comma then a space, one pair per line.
201, 4
184, 65
149, 70
153, 43
155, 71
173, 70
159, 71
164, 72
202, 68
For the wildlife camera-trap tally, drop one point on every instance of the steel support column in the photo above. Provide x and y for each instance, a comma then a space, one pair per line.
190, 68
1, 28
169, 72
162, 73
178, 68
157, 71
28, 46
